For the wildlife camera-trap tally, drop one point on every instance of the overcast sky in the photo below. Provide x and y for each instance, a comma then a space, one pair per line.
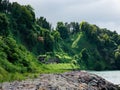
104, 13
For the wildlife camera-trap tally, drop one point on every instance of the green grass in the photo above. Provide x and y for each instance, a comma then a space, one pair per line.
43, 68
62, 67
64, 57
75, 43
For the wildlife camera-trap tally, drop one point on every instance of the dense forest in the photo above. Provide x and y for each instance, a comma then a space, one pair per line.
28, 44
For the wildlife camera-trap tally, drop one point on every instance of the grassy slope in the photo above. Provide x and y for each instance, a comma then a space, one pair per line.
76, 40
76, 43
16, 70
80, 41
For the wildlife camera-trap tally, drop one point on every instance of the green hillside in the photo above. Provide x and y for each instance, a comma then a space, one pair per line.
29, 45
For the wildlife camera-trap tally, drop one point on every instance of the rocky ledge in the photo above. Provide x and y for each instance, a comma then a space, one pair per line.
76, 80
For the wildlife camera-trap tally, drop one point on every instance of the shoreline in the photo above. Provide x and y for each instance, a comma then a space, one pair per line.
78, 80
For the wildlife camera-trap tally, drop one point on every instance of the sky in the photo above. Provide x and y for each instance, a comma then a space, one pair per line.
103, 13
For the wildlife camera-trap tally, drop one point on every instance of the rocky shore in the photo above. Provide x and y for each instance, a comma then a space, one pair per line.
76, 80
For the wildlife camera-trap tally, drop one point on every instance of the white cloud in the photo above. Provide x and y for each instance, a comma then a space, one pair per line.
105, 13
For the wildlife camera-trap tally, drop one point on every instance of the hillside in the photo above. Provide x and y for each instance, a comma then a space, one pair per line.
29, 45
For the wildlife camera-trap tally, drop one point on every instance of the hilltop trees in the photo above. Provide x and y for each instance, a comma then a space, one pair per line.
74, 26
62, 29
23, 15
105, 40
43, 23
4, 6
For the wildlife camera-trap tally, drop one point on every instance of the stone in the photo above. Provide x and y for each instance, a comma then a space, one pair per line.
75, 80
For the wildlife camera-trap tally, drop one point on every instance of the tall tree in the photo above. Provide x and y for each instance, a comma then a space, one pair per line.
75, 27
85, 56
4, 25
4, 5
43, 23
62, 30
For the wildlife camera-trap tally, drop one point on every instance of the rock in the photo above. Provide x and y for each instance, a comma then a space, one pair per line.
76, 80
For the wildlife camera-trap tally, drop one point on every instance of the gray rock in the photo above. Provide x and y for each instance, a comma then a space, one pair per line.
76, 80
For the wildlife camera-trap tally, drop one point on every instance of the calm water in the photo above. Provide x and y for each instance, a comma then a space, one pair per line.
112, 76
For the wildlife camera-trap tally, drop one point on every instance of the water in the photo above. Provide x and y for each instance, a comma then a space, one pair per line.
112, 76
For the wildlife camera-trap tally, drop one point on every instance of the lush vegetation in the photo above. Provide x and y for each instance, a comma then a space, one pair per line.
29, 45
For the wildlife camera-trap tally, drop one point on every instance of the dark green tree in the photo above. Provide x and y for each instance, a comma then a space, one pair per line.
43, 23
75, 27
48, 42
84, 56
117, 59
4, 23
62, 30
4, 4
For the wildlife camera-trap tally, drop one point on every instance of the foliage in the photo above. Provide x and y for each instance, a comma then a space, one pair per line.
62, 30
4, 24
84, 56
43, 23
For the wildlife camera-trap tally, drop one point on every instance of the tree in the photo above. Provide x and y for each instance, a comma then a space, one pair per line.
48, 42
31, 11
117, 59
72, 27
62, 30
23, 14
44, 23
56, 36
84, 56
75, 27
4, 25
84, 26
4, 4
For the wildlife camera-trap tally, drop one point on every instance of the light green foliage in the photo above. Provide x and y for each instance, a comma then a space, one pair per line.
64, 57
74, 44
14, 58
62, 67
